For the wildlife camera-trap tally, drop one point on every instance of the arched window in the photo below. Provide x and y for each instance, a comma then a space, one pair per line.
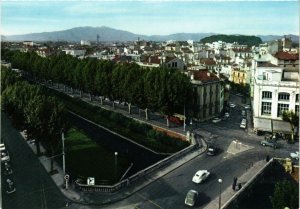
283, 96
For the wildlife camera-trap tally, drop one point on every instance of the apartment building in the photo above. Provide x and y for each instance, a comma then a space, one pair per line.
275, 90
208, 95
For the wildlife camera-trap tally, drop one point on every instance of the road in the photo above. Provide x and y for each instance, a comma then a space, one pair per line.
34, 188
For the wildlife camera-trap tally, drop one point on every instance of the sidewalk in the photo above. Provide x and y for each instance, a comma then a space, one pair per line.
228, 194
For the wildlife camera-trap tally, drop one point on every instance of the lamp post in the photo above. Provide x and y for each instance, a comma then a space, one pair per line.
116, 163
220, 182
63, 151
184, 118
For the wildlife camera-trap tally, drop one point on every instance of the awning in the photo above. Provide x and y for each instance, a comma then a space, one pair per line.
264, 124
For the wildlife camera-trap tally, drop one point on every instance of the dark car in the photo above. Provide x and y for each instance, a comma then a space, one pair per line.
212, 150
269, 143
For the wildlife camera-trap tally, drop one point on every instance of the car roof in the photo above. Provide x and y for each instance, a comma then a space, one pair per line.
201, 172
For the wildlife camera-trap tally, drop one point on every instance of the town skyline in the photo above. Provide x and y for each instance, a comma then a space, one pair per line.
153, 17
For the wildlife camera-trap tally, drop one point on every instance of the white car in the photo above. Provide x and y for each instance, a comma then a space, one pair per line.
294, 155
200, 176
216, 120
232, 105
227, 114
4, 157
2, 147
247, 107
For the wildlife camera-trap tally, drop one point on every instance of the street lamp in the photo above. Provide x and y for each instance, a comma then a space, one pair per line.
220, 182
63, 150
116, 163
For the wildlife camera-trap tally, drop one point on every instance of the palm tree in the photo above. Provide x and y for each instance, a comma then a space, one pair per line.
293, 119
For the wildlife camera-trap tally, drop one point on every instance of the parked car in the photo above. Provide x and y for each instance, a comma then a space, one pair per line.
4, 156
243, 113
191, 197
7, 168
212, 150
227, 114
269, 143
200, 176
243, 123
294, 155
216, 120
248, 107
232, 105
10, 186
2, 147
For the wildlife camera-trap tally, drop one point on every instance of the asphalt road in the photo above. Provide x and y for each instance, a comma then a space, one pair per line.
34, 187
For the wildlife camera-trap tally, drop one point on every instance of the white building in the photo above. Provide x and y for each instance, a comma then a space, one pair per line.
75, 52
275, 89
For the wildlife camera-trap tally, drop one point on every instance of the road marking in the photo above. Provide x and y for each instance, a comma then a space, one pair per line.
150, 201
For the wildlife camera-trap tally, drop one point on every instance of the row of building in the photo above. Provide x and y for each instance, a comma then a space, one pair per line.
270, 70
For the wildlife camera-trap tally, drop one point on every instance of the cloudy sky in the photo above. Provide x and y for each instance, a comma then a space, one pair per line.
153, 17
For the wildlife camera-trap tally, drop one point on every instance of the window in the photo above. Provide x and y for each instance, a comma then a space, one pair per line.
297, 97
297, 109
174, 64
282, 108
283, 96
266, 95
266, 108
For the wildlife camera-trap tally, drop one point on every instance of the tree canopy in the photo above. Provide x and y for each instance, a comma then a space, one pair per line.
241, 39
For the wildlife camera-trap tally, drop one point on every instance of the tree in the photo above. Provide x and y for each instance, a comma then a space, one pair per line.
286, 194
293, 119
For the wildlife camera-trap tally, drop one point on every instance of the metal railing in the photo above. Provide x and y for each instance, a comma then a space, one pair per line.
126, 182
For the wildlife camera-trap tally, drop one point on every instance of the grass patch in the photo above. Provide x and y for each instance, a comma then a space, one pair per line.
142, 133
86, 158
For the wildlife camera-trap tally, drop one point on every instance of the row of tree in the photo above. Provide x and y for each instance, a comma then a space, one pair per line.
158, 89
42, 116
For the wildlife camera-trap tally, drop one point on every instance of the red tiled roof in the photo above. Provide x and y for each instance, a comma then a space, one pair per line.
204, 76
168, 59
286, 56
265, 64
208, 61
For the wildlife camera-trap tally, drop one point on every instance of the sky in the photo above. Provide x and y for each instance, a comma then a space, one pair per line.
153, 17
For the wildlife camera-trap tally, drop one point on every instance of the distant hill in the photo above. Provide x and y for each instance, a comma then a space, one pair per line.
241, 39
106, 34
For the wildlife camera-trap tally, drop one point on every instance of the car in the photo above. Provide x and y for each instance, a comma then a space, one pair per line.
7, 168
243, 123
200, 176
269, 143
2, 147
4, 156
227, 114
232, 105
191, 197
294, 155
243, 113
10, 186
212, 150
247, 107
216, 120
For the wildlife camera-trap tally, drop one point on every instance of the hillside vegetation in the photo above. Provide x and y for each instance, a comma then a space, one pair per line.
241, 39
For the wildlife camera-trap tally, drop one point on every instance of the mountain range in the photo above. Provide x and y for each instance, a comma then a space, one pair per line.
111, 35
